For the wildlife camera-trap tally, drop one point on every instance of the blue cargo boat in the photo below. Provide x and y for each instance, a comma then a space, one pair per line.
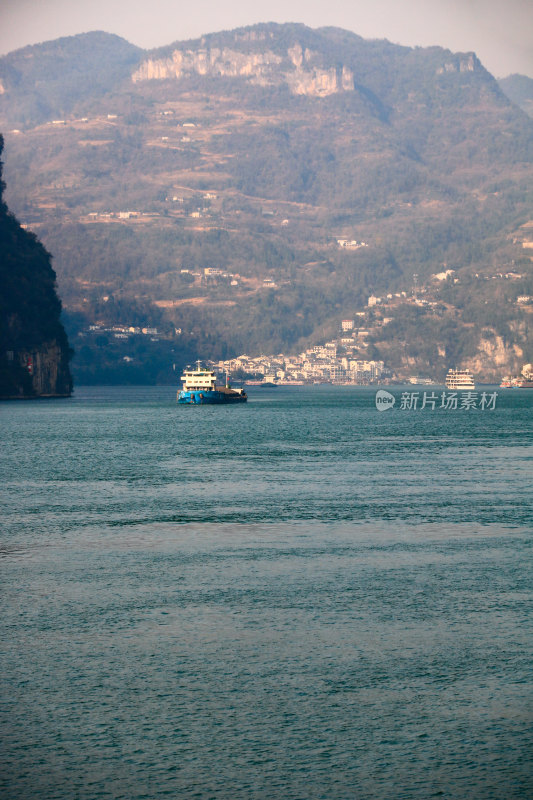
199, 386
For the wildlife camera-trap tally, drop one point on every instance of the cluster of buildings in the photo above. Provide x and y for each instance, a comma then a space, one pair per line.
332, 362
213, 273
95, 216
341, 360
124, 331
350, 244
209, 275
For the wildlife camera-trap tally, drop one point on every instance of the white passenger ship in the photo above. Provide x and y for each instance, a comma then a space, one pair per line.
459, 379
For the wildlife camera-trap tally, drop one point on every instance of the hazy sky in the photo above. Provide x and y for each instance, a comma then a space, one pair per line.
499, 31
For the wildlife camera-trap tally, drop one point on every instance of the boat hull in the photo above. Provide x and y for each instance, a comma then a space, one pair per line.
210, 397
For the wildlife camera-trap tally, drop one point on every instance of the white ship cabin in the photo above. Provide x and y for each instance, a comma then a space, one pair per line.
198, 379
459, 379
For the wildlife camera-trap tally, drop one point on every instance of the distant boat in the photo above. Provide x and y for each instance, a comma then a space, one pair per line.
416, 380
522, 383
459, 379
199, 387
268, 382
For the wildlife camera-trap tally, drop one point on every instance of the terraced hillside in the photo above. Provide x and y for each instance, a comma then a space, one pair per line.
209, 186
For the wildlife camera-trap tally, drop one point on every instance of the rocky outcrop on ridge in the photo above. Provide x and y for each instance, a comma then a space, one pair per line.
301, 69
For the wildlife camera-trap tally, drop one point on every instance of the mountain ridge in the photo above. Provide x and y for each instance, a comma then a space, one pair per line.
156, 180
47, 79
83, 53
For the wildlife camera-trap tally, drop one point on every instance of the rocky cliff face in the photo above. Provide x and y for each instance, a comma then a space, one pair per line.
492, 358
467, 63
35, 372
300, 69
34, 351
495, 358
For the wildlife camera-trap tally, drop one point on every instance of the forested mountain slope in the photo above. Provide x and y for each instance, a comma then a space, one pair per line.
255, 152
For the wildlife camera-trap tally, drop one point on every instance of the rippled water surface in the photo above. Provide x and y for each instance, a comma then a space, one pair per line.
295, 598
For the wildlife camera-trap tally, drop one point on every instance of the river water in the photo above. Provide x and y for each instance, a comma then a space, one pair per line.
298, 597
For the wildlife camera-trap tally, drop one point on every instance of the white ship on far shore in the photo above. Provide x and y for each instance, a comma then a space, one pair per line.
459, 379
418, 380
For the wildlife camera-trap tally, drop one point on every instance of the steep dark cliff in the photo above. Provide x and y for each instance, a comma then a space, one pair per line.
34, 351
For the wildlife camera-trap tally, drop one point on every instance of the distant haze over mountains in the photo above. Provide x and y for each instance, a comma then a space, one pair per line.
255, 151
57, 75
519, 89
499, 32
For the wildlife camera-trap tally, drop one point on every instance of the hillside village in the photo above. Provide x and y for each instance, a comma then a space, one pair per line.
235, 213
344, 359
349, 357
